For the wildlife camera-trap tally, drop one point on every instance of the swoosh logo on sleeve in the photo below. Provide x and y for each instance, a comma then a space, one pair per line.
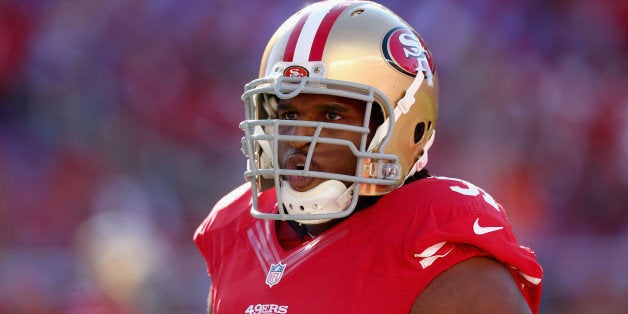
479, 230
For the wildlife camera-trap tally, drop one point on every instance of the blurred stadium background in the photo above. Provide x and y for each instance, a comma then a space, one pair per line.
119, 130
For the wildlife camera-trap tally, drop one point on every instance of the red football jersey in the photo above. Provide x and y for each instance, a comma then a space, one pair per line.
377, 261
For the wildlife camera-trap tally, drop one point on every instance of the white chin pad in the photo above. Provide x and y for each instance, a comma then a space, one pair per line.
328, 197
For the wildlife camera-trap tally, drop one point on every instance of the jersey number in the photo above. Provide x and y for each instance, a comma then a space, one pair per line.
472, 190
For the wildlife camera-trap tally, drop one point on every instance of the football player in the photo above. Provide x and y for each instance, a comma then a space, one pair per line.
339, 214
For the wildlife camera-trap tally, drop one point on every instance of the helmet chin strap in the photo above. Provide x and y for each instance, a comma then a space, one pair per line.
331, 196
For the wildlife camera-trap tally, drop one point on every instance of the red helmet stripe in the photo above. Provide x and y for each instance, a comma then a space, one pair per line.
288, 54
320, 39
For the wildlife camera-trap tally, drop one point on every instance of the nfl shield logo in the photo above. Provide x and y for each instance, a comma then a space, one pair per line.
274, 274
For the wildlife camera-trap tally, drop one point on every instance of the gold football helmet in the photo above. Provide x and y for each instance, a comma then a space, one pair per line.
352, 49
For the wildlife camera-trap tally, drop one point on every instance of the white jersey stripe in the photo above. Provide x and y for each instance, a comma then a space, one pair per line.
262, 256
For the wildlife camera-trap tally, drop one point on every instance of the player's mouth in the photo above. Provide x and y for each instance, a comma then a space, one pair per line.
297, 162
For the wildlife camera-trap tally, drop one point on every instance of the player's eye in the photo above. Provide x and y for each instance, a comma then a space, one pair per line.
332, 116
289, 115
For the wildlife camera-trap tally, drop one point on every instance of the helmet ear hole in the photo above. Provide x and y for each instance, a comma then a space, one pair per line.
419, 130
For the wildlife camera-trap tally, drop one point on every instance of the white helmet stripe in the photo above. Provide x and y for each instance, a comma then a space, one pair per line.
304, 44
313, 34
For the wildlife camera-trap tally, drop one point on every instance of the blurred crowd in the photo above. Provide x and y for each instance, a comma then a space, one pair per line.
119, 130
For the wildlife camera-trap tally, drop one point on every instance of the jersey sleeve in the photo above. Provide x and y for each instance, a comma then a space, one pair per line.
210, 238
460, 221
231, 215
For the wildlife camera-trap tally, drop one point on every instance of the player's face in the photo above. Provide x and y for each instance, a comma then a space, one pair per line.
326, 157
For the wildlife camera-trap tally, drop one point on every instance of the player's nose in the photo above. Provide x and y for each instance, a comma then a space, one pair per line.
302, 136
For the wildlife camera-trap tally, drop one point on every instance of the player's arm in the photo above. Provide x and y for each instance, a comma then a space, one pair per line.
477, 285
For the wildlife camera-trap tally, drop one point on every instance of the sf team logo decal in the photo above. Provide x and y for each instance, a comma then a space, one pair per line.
296, 71
274, 274
406, 52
